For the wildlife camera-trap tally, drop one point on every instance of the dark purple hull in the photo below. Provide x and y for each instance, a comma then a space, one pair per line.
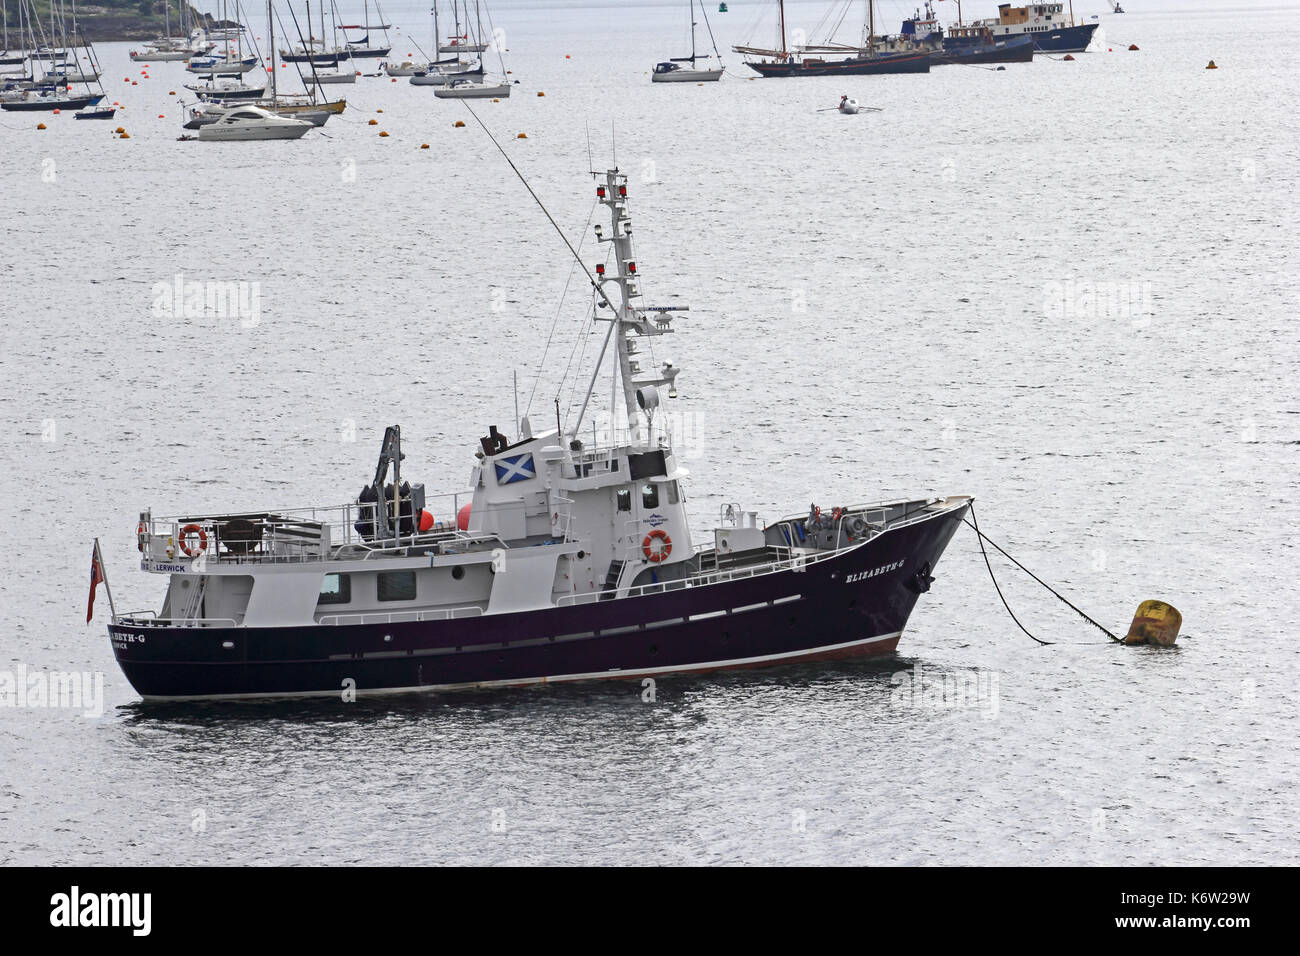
855, 604
886, 63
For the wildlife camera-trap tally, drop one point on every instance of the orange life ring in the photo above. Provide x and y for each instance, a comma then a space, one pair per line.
140, 534
663, 552
188, 530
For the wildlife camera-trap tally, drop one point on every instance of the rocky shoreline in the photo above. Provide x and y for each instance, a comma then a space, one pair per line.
102, 24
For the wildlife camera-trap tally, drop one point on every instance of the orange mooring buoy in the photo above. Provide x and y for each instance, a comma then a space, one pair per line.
1155, 623
374, 122
1132, 46
1211, 66
1067, 57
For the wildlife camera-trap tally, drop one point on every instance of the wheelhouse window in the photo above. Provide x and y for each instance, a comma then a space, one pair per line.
674, 496
335, 589
624, 500
396, 585
649, 496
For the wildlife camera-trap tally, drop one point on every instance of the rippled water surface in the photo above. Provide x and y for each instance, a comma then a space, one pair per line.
887, 304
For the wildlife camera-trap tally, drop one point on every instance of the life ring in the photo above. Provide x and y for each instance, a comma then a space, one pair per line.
140, 534
662, 553
188, 530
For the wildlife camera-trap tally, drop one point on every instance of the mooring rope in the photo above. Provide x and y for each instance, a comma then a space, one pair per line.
982, 537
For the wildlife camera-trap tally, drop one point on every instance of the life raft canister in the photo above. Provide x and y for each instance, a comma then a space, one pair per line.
188, 531
661, 553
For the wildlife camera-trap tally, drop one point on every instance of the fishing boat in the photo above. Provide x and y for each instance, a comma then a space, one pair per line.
676, 70
1048, 25
470, 90
834, 59
245, 123
563, 561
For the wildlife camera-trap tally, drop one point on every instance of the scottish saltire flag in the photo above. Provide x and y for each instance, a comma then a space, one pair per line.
518, 468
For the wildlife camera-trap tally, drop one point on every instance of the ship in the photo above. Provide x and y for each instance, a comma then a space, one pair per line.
962, 44
564, 560
1049, 25
872, 58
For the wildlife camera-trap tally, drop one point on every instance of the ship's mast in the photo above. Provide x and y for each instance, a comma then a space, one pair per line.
630, 318
781, 5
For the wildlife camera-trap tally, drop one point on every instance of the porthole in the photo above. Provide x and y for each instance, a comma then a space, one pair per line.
581, 555
654, 649
458, 572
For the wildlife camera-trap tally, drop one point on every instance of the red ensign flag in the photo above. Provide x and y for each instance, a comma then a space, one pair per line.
96, 575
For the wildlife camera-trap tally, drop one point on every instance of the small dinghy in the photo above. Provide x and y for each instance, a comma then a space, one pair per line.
848, 105
104, 112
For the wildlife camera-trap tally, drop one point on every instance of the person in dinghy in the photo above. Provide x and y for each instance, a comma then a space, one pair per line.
847, 105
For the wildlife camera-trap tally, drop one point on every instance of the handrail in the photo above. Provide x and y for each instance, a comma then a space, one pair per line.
391, 617
706, 578
156, 621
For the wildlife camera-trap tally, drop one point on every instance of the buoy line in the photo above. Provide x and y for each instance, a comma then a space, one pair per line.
981, 537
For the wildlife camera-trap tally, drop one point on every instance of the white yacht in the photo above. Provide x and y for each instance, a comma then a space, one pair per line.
240, 123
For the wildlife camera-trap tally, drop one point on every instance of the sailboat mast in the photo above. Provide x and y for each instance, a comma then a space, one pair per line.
871, 26
270, 26
781, 8
692, 32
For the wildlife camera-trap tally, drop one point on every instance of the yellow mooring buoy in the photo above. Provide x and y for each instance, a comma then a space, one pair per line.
1155, 623
1211, 66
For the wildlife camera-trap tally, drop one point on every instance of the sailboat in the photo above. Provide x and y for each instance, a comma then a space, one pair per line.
446, 71
674, 70
313, 50
246, 122
222, 84
866, 60
10, 57
340, 74
565, 559
53, 91
170, 48
362, 48
462, 42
